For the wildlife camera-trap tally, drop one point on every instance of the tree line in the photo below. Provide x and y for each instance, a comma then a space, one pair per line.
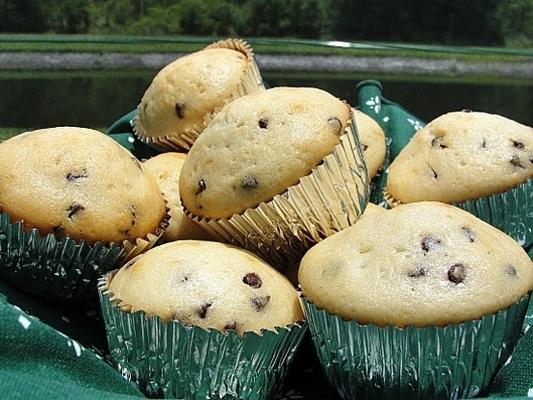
473, 22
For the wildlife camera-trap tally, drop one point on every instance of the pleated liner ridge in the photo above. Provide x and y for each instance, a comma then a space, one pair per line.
62, 268
448, 362
178, 361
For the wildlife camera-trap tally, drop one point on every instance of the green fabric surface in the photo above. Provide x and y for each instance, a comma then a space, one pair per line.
38, 361
398, 124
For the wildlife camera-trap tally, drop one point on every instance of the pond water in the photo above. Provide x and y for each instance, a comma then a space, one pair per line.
30, 99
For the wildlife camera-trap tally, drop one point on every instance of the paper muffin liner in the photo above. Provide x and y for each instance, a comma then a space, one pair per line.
331, 198
62, 268
251, 82
172, 360
448, 362
510, 211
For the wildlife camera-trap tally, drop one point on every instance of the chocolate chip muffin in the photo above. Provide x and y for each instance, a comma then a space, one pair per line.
209, 285
166, 169
408, 293
186, 93
87, 186
188, 311
462, 156
373, 142
276, 171
258, 146
421, 264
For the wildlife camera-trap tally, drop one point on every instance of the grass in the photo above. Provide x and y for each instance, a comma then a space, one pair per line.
178, 44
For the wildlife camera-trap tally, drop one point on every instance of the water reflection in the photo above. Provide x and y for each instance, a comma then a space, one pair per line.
95, 99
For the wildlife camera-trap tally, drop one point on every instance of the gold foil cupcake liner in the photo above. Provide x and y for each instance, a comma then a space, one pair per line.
251, 82
331, 198
172, 360
390, 201
62, 268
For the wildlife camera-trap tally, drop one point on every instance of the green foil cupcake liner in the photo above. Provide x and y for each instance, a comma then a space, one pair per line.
331, 198
172, 360
61, 268
449, 362
510, 212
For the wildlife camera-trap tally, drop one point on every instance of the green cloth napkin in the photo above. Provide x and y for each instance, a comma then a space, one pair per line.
398, 124
39, 360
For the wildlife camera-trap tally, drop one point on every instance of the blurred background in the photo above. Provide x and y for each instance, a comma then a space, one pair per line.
74, 62
473, 22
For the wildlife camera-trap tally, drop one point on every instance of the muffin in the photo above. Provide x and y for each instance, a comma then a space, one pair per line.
372, 140
166, 169
199, 297
276, 171
480, 162
185, 94
444, 287
99, 205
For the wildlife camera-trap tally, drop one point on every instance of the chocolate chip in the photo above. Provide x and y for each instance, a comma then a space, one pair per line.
518, 145
466, 110
437, 142
74, 209
510, 270
515, 160
469, 234
484, 143
72, 176
201, 186
429, 243
336, 123
365, 147
263, 123
249, 182
260, 302
203, 310
133, 215
418, 272
456, 273
435, 175
253, 280
231, 326
180, 107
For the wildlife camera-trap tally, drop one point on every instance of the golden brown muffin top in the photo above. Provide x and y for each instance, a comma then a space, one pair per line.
418, 264
207, 284
462, 156
79, 183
